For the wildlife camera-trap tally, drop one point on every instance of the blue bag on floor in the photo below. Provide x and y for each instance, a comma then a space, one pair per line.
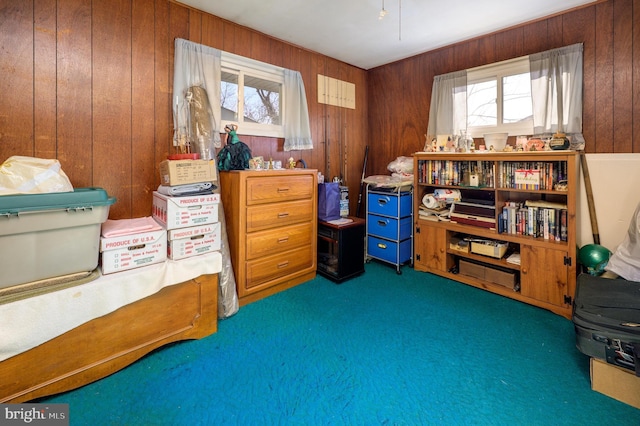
328, 201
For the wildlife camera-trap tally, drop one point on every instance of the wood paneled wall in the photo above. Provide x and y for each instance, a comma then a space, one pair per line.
400, 93
90, 83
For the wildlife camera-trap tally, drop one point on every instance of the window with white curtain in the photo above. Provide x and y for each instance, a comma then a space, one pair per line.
531, 95
262, 99
251, 95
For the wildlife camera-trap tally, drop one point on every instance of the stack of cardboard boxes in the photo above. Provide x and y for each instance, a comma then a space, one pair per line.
187, 224
191, 221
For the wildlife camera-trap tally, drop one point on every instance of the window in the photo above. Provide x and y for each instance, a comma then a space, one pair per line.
499, 98
537, 94
251, 95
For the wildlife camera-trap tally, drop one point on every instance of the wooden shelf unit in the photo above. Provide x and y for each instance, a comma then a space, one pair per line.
546, 275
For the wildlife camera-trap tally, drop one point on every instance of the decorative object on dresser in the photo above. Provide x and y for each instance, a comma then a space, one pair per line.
513, 204
272, 219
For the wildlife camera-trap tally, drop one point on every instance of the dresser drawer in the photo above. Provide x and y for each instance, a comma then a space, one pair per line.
389, 227
270, 268
272, 241
279, 188
279, 214
388, 203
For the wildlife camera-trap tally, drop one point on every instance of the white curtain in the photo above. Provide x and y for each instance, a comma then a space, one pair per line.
297, 131
196, 65
556, 89
448, 111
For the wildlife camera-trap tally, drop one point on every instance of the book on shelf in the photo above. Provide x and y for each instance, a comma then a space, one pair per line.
455, 172
545, 204
563, 225
531, 175
538, 222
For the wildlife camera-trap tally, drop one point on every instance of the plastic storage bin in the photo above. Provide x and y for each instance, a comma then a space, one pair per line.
49, 235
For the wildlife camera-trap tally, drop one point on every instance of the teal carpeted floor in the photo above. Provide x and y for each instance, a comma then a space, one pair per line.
382, 348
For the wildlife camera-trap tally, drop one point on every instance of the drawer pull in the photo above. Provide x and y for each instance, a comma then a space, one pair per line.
283, 239
382, 246
283, 215
283, 189
382, 223
283, 264
382, 201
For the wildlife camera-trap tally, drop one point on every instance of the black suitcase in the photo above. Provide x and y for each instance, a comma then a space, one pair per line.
606, 318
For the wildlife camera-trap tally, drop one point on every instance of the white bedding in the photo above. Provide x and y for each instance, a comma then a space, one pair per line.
27, 323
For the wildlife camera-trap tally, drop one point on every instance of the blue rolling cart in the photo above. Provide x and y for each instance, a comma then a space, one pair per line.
389, 225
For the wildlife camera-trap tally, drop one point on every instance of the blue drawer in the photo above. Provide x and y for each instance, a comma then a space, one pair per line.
388, 250
387, 203
387, 227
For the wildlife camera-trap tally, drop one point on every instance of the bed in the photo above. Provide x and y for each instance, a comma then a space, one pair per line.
65, 339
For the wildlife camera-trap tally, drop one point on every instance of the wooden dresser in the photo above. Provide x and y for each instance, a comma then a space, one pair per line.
271, 218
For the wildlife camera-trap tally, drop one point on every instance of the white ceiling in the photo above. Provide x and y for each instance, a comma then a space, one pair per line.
349, 30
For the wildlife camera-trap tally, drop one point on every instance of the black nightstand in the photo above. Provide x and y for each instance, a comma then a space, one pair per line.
341, 249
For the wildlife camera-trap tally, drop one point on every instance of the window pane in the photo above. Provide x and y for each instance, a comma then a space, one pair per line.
229, 96
261, 100
517, 98
482, 109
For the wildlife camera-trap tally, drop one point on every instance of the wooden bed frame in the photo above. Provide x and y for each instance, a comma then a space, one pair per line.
102, 346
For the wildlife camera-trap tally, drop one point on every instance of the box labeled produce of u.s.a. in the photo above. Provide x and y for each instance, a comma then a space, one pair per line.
183, 212
131, 251
193, 241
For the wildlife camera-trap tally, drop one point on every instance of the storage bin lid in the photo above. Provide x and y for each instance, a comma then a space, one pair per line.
79, 198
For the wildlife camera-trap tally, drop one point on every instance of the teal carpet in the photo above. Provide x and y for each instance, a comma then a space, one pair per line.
380, 349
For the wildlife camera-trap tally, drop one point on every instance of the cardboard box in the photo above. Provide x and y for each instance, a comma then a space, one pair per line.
182, 172
498, 276
459, 244
501, 277
471, 269
489, 248
193, 241
133, 251
615, 382
183, 212
344, 201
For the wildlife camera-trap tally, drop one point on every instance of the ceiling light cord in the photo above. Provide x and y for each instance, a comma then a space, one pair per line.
383, 12
399, 20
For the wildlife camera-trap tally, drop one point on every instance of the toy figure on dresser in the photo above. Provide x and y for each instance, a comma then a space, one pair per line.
236, 154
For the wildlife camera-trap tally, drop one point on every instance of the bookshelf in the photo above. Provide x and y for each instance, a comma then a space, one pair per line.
502, 222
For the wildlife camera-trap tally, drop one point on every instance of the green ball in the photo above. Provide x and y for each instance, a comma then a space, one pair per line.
595, 257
